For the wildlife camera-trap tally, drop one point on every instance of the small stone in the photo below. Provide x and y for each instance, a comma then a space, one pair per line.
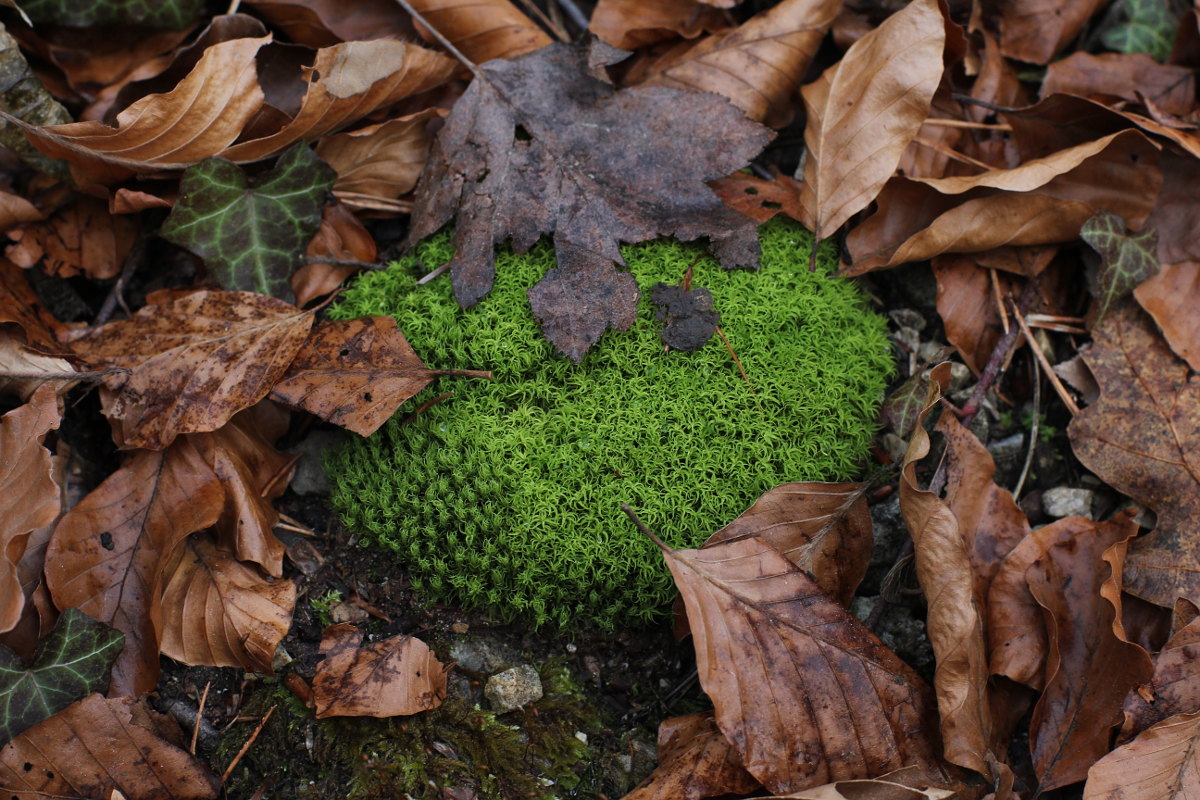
581, 736
480, 654
895, 446
908, 318
571, 648
281, 658
513, 688
310, 475
626, 762
1066, 501
460, 627
347, 612
960, 376
1010, 448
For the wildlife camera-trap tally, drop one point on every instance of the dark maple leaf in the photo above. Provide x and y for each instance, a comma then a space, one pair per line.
689, 315
545, 144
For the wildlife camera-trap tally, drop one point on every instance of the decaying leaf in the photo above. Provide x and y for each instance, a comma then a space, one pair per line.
388, 678
29, 496
1036, 30
1169, 297
758, 198
194, 360
864, 110
1161, 764
379, 162
695, 761
1089, 665
320, 23
1125, 259
107, 554
519, 157
82, 238
849, 708
251, 232
688, 317
221, 612
1175, 687
71, 663
1128, 75
822, 528
954, 620
99, 745
356, 373
967, 307
1139, 438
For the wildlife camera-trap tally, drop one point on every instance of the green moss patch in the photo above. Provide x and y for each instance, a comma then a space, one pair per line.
507, 495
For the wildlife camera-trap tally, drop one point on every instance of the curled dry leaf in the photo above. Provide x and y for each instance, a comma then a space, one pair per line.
1175, 687
695, 761
1090, 666
1139, 438
482, 29
850, 708
967, 305
758, 66
1125, 75
864, 110
822, 528
193, 361
15, 210
23, 370
341, 237
1161, 764
356, 373
1169, 297
29, 495
106, 555
379, 162
321, 23
99, 745
220, 612
630, 24
82, 238
388, 678
954, 621
1036, 30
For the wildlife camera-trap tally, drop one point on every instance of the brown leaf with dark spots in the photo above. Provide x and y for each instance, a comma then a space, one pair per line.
356, 373
850, 708
520, 155
82, 238
758, 198
688, 317
1161, 764
193, 359
107, 554
387, 678
29, 494
1036, 30
695, 761
1124, 75
1140, 439
630, 24
98, 747
954, 618
1090, 667
822, 528
758, 66
221, 612
1175, 687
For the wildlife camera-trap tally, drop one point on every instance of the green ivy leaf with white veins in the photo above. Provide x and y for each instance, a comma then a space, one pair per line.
251, 232
1125, 259
70, 663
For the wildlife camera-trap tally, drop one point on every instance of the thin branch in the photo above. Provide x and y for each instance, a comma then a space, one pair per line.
246, 746
1063, 394
962, 123
442, 40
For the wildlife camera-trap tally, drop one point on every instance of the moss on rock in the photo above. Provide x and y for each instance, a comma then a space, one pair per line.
507, 496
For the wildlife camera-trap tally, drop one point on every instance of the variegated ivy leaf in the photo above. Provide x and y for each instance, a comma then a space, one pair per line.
1125, 259
170, 14
1149, 27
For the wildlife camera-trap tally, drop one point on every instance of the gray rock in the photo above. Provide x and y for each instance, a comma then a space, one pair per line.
908, 318
960, 376
310, 472
480, 654
1066, 501
1010, 448
513, 688
890, 533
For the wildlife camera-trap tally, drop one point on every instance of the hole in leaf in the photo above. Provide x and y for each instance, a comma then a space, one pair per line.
523, 135
771, 204
367, 396
28, 766
106, 540
751, 190
314, 76
345, 351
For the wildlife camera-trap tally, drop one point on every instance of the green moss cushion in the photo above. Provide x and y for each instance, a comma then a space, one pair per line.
508, 495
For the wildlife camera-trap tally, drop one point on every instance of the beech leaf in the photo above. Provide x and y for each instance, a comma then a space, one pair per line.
71, 662
1161, 764
1175, 687
482, 29
695, 761
173, 14
520, 156
1125, 259
251, 232
387, 678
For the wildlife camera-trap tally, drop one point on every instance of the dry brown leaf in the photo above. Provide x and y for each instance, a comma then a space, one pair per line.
341, 238
20, 305
822, 528
23, 370
220, 612
131, 201
482, 29
1139, 439
758, 198
194, 360
27, 481
954, 622
356, 373
1175, 687
1035, 30
695, 761
1176, 216
864, 110
99, 745
1171, 298
380, 161
388, 678
1161, 764
106, 555
15, 210
1124, 75
199, 118
967, 306
252, 473
82, 238
850, 708
347, 82
1090, 666
872, 789
321, 23
757, 66
630, 24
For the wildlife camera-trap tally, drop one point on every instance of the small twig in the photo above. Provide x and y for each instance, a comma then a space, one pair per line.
736, 360
442, 40
433, 274
999, 300
246, 746
233, 6
279, 473
1063, 394
962, 123
199, 717
367, 202
574, 13
761, 171
1001, 354
117, 294
342, 262
1033, 432
951, 153
293, 525
642, 527
548, 23
428, 404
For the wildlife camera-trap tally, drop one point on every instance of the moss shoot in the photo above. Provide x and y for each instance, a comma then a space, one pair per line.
508, 495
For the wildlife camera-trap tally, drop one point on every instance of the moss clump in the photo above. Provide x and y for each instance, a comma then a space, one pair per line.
507, 496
